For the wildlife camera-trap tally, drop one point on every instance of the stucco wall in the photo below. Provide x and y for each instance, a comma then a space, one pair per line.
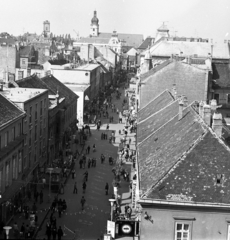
72, 76
206, 225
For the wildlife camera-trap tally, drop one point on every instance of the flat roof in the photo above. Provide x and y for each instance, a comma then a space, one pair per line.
88, 67
22, 94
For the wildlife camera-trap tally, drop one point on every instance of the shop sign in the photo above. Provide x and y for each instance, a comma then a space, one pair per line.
134, 184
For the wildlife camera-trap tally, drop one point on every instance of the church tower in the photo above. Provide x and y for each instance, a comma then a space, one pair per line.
94, 27
46, 28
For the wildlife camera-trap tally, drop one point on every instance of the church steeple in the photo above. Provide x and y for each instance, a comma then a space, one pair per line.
94, 27
162, 32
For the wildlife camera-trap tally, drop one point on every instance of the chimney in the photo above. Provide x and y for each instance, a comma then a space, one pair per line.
181, 107
185, 100
201, 109
213, 105
207, 114
174, 93
217, 124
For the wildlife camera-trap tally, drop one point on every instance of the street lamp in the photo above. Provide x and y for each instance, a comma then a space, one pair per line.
50, 171
112, 203
7, 229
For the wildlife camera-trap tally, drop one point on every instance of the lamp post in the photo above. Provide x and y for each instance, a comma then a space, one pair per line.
7, 229
112, 203
50, 171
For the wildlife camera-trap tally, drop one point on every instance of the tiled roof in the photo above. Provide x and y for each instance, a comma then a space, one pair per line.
195, 176
189, 80
8, 111
63, 91
147, 42
156, 120
155, 105
221, 75
184, 49
159, 153
34, 82
155, 69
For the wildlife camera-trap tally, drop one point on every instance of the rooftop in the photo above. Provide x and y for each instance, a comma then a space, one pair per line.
8, 110
184, 49
160, 152
22, 94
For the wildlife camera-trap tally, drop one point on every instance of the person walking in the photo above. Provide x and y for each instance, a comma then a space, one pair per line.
106, 188
75, 188
89, 162
54, 233
94, 147
82, 202
73, 173
84, 186
59, 233
41, 196
107, 127
88, 149
81, 162
86, 176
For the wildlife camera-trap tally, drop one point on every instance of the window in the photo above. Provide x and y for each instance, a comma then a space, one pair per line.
41, 108
228, 98
20, 129
30, 138
182, 231
14, 167
25, 162
35, 154
19, 161
35, 135
216, 96
45, 105
93, 29
41, 128
30, 120
29, 159
0, 181
44, 123
7, 174
40, 148
36, 111
6, 138
20, 75
28, 72
13, 133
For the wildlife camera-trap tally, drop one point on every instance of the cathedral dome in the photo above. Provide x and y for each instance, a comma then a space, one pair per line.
95, 20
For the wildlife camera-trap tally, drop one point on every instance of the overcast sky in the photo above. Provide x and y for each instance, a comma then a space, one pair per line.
189, 18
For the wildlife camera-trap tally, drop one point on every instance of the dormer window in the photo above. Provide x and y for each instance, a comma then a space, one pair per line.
219, 179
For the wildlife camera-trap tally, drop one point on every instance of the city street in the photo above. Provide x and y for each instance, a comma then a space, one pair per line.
90, 223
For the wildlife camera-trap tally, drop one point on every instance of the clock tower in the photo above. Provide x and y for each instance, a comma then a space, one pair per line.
94, 27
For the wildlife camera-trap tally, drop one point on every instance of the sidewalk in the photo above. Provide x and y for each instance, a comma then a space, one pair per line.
42, 208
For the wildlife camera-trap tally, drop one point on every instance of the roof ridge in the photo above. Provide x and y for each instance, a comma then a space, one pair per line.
166, 90
158, 111
155, 69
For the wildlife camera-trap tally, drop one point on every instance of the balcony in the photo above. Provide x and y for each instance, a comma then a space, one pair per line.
11, 146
